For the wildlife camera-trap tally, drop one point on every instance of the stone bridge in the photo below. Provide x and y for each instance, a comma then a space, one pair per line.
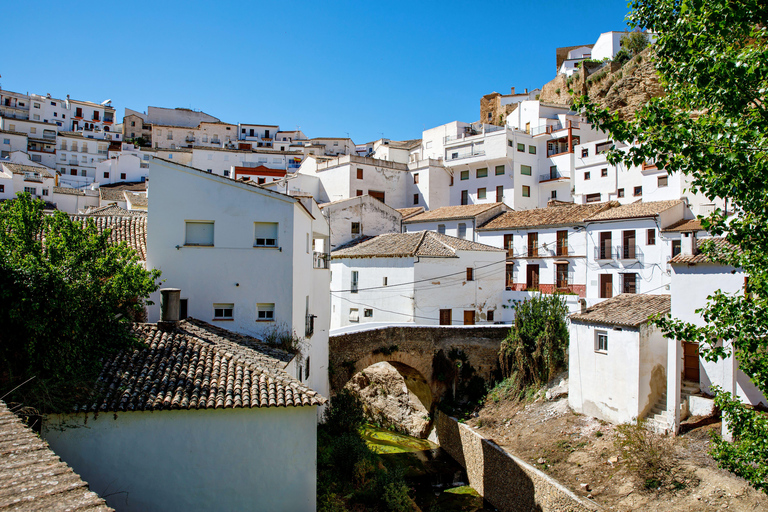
425, 356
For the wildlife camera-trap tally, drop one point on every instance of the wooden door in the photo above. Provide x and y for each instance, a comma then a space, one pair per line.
469, 317
606, 286
691, 361
445, 317
532, 276
562, 276
605, 245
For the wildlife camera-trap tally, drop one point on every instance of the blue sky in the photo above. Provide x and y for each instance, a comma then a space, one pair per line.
387, 69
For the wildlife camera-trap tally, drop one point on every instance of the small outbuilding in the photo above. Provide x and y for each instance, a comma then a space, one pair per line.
618, 359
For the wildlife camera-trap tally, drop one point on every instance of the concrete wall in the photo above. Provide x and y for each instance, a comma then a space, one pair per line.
374, 217
506, 481
181, 460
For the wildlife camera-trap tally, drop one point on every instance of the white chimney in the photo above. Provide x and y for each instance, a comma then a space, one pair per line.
170, 304
688, 244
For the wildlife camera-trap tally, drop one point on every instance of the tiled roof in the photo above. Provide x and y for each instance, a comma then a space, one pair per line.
404, 144
627, 309
197, 366
453, 212
115, 192
22, 169
407, 213
555, 215
131, 230
68, 191
32, 477
112, 210
635, 210
420, 243
136, 198
721, 246
685, 225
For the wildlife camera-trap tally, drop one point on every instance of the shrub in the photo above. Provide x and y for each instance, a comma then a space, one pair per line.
557, 91
649, 455
344, 415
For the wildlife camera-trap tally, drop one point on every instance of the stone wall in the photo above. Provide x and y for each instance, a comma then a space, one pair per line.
507, 482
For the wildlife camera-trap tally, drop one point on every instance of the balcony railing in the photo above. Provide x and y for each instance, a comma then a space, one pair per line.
309, 328
564, 281
466, 154
605, 252
552, 175
190, 139
562, 248
629, 252
320, 260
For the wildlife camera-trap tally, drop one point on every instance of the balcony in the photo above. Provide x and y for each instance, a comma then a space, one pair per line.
309, 326
552, 175
320, 259
190, 139
14, 115
33, 176
605, 252
466, 154
629, 252
563, 249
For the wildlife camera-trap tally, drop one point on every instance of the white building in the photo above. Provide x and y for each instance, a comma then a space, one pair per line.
425, 278
246, 258
459, 221
12, 141
627, 251
77, 158
361, 216
572, 59
130, 166
617, 359
38, 181
200, 419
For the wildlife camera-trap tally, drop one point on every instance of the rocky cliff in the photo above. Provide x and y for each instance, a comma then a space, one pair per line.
619, 88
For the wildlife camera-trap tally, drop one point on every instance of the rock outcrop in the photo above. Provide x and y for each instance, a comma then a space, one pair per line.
387, 401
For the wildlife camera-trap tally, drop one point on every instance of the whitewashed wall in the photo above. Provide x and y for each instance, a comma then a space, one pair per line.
206, 460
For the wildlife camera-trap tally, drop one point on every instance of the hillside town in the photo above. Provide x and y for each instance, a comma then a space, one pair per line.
290, 264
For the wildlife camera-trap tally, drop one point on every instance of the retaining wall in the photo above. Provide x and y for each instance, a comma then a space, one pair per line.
507, 482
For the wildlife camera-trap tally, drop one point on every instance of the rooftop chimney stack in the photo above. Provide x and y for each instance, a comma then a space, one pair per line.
583, 303
688, 244
513, 91
170, 305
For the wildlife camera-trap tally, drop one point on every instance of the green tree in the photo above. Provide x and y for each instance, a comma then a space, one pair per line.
712, 125
634, 42
68, 298
534, 351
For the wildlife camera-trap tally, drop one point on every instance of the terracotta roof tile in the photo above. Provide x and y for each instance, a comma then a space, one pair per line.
23, 169
136, 199
561, 214
635, 210
112, 210
131, 230
32, 477
410, 212
453, 212
68, 191
721, 246
195, 365
419, 243
627, 309
684, 225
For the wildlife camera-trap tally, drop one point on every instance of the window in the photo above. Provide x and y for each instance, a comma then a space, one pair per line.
36, 105
593, 198
106, 175
354, 281
651, 237
30, 190
490, 316
677, 247
223, 311
355, 228
482, 173
584, 152
629, 284
133, 123
510, 275
464, 175
603, 173
384, 281
122, 176
33, 130
2, 188
462, 231
441, 229
226, 174
554, 194
359, 193
470, 274
621, 192
265, 234
259, 181
481, 193
586, 176
500, 193
532, 150
662, 181
521, 147
415, 198
359, 174
63, 144
199, 233
525, 170
368, 313
464, 197
265, 312
638, 191
36, 117
601, 341
415, 177
526, 191
354, 315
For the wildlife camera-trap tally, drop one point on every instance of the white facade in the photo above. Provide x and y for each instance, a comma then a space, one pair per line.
205, 231
620, 384
126, 166
360, 216
12, 141
607, 45
78, 157
34, 180
206, 460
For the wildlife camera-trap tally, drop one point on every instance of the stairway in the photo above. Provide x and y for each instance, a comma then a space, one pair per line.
657, 419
